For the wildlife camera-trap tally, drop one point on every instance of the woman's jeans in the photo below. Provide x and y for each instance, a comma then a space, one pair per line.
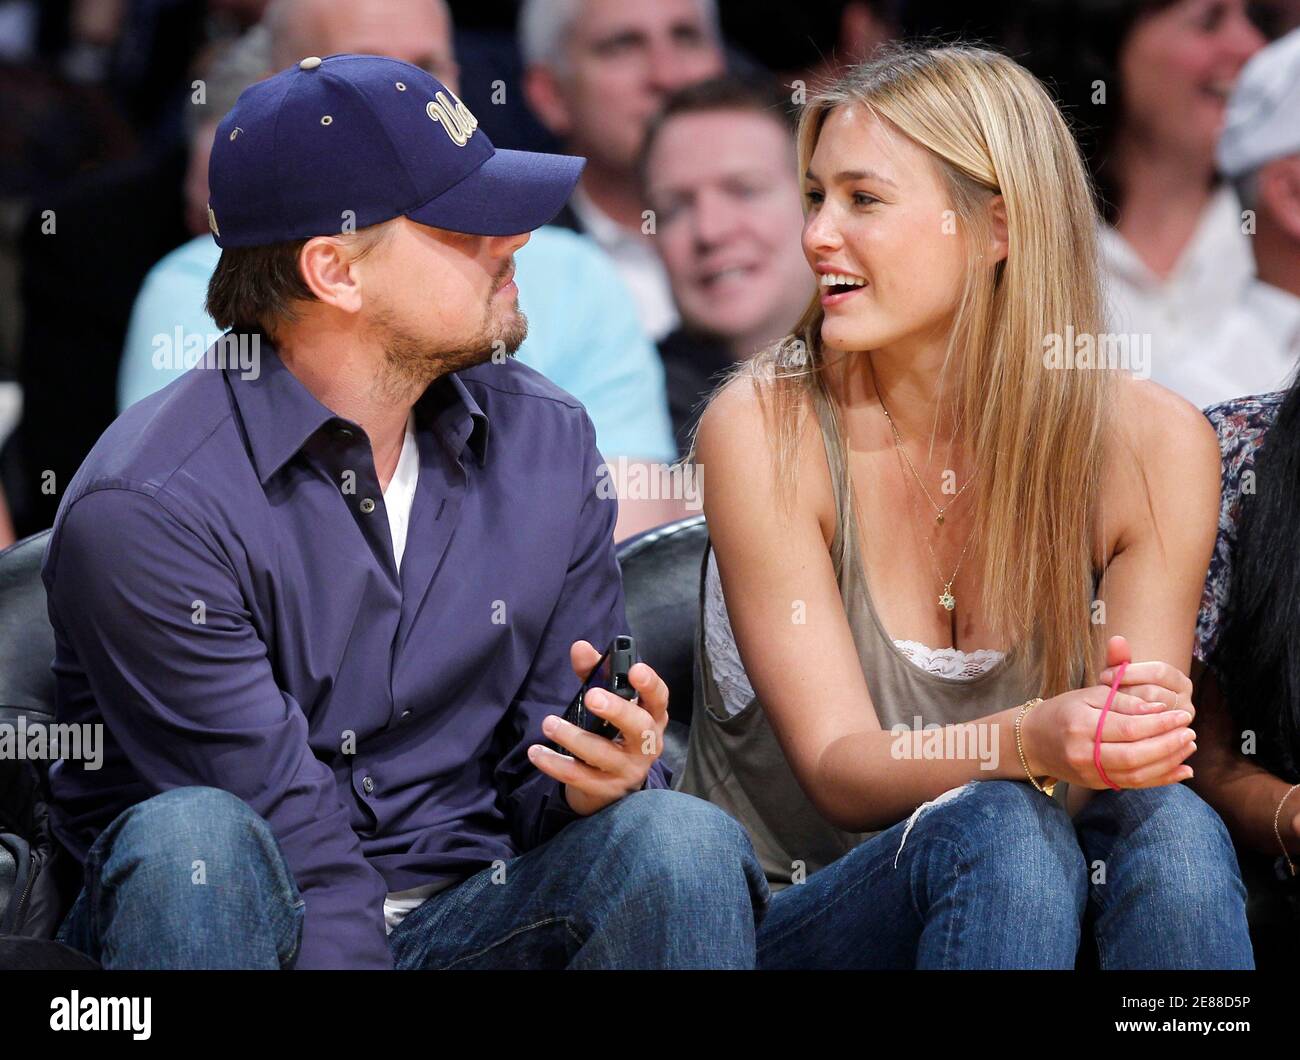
193, 878
996, 875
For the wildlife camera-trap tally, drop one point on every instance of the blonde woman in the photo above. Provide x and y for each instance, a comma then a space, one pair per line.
927, 510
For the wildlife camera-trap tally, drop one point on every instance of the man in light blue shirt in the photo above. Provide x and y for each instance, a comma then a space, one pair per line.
583, 335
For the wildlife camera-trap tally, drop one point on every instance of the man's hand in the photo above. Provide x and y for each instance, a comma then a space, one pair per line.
603, 771
1156, 682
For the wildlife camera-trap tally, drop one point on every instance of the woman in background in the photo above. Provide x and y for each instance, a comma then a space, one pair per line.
1145, 85
924, 512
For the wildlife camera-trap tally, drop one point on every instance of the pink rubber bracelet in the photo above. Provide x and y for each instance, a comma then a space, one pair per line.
1096, 743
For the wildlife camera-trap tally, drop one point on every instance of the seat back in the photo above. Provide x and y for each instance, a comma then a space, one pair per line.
661, 584
26, 639
26, 682
26, 651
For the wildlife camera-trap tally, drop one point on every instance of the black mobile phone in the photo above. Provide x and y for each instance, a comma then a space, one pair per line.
609, 673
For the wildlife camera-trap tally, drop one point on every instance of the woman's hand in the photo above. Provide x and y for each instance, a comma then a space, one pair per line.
1157, 682
1144, 742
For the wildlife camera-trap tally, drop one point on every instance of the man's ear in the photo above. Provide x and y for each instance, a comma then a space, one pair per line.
326, 267
546, 99
998, 229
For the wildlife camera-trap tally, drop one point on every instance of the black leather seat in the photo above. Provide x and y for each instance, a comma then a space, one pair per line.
27, 690
26, 639
661, 583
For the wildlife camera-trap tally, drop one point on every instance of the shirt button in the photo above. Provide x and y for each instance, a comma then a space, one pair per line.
343, 431
368, 784
405, 714
309, 63
367, 506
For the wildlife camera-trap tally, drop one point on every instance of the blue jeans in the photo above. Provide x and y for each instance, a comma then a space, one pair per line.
999, 876
657, 880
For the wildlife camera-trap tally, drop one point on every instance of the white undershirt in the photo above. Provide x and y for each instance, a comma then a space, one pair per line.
398, 498
399, 495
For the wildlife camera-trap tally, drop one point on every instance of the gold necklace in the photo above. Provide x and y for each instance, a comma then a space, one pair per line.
898, 443
902, 449
946, 600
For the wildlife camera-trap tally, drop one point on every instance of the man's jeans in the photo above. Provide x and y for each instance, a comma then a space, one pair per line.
193, 878
996, 875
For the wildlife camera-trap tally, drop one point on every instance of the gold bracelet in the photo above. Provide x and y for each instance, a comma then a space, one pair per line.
1277, 815
1050, 786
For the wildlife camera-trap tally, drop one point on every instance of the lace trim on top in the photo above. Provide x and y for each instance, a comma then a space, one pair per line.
950, 662
733, 684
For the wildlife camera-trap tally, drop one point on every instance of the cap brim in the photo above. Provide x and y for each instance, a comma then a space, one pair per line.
512, 192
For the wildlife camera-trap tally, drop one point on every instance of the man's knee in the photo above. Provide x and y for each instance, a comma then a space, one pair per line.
670, 834
192, 878
203, 829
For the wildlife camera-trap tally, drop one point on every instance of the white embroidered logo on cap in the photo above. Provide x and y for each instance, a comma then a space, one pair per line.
212, 223
455, 119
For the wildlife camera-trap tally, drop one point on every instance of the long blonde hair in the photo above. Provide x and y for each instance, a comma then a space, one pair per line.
1037, 431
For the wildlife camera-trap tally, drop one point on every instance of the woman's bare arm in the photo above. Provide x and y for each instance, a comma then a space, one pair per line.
1161, 503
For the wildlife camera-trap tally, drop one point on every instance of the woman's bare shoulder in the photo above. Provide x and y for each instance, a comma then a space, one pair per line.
1167, 433
738, 444
1161, 462
744, 413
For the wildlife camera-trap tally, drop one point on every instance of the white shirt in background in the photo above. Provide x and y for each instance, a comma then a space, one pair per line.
1254, 349
1208, 282
637, 262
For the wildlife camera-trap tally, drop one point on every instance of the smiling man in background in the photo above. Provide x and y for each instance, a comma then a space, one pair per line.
730, 226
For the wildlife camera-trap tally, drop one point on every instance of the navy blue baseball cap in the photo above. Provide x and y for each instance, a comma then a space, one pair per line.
333, 145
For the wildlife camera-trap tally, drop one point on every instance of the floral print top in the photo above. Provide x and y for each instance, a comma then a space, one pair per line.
1242, 424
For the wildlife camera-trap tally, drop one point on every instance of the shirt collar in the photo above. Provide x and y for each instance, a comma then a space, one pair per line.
449, 407
598, 224
279, 414
1215, 238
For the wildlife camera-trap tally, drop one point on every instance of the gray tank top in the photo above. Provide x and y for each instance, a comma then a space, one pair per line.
735, 760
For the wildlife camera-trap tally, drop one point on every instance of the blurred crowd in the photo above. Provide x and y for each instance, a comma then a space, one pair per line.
679, 254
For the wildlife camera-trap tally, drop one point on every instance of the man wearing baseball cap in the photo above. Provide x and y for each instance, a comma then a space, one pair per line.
1255, 348
329, 597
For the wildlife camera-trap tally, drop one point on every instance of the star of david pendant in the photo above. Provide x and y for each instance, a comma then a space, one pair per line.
947, 601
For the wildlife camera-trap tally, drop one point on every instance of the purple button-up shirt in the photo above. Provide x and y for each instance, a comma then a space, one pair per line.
225, 600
